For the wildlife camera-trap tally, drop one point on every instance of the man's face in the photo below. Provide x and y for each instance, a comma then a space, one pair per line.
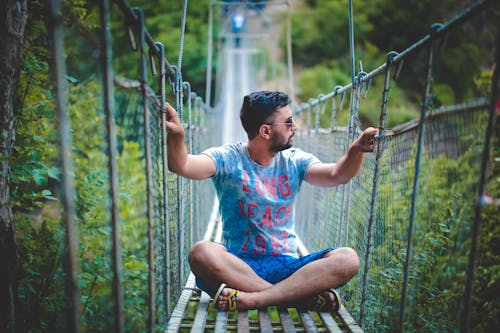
283, 129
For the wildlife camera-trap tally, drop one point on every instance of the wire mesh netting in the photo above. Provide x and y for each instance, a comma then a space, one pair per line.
444, 214
188, 204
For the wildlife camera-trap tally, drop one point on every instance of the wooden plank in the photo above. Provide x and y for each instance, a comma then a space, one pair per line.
349, 321
221, 322
243, 325
201, 313
191, 282
265, 321
175, 320
308, 321
286, 321
329, 322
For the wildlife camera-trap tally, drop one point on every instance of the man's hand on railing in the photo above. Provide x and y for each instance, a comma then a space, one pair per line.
366, 142
174, 125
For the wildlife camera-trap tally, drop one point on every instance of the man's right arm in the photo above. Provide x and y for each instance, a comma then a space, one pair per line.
179, 160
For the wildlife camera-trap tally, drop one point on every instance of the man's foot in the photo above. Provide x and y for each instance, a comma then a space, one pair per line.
327, 301
226, 298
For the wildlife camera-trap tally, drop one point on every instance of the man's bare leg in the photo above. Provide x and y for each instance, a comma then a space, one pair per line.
212, 263
334, 269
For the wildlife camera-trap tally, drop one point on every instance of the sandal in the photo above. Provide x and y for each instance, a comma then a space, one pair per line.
322, 304
231, 298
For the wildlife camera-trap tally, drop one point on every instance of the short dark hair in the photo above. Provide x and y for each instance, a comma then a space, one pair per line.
257, 107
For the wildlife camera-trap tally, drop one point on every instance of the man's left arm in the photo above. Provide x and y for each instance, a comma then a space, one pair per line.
332, 174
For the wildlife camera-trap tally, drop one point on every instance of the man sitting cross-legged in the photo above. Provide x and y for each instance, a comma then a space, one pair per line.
256, 183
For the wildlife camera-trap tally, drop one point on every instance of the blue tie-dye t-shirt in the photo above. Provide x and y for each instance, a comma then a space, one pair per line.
257, 202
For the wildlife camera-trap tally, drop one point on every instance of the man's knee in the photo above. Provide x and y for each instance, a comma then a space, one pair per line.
346, 262
198, 252
205, 254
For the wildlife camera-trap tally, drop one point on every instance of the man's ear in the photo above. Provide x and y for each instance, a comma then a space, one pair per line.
265, 131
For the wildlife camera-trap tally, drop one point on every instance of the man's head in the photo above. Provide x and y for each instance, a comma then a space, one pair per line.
258, 109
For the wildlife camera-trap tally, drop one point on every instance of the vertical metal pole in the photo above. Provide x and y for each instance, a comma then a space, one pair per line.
476, 227
318, 108
190, 95
109, 107
351, 43
336, 107
67, 188
149, 179
411, 226
373, 200
354, 102
208, 84
289, 58
180, 184
166, 213
352, 135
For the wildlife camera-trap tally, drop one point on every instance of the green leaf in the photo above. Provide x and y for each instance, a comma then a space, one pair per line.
36, 156
39, 176
47, 194
54, 173
443, 227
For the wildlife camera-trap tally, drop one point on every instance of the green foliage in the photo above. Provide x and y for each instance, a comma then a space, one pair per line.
41, 280
321, 46
40, 232
313, 80
164, 22
317, 38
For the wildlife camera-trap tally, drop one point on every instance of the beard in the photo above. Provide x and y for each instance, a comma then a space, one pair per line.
280, 143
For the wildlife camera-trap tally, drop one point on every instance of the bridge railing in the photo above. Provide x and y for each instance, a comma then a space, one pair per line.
413, 211
129, 222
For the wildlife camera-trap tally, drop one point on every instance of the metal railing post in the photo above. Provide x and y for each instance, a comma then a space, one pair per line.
164, 163
71, 262
109, 107
149, 178
476, 227
406, 269
373, 200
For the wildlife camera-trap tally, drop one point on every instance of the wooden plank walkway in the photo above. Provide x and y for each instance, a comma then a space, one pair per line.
194, 311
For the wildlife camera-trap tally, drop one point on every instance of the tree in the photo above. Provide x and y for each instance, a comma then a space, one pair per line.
11, 35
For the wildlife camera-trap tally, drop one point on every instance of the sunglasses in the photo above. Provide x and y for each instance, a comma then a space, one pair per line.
289, 123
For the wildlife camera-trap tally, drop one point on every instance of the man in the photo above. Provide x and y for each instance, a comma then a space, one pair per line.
257, 183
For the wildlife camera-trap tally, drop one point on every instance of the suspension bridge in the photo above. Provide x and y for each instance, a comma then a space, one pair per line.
415, 208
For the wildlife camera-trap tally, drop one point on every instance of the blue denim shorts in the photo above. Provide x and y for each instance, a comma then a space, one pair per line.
273, 268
